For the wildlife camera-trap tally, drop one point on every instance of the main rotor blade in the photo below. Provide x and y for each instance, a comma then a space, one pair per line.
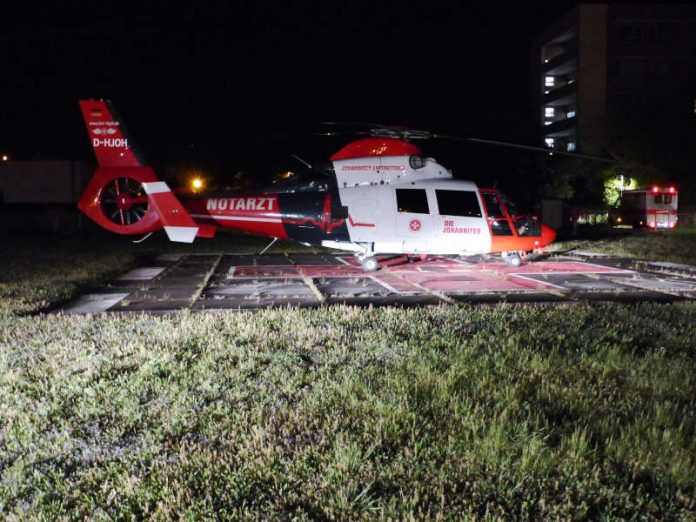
355, 124
525, 147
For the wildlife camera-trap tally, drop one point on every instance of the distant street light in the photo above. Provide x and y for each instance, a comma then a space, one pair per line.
196, 184
5, 157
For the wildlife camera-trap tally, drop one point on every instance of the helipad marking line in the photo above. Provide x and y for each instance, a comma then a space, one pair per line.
540, 282
315, 290
607, 268
437, 294
607, 272
604, 268
385, 285
204, 284
674, 292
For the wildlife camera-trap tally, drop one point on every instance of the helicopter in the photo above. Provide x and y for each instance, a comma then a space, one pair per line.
381, 195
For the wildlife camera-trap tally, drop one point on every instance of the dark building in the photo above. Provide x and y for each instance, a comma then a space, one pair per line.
41, 195
600, 60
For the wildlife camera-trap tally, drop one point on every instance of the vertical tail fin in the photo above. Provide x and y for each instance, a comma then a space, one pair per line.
113, 145
125, 195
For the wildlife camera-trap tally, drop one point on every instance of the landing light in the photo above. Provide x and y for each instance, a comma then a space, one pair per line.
656, 189
5, 157
672, 190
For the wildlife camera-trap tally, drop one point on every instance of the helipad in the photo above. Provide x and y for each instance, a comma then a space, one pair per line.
235, 282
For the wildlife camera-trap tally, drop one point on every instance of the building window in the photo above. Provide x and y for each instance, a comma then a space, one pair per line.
549, 142
629, 33
570, 114
630, 70
458, 203
571, 146
413, 201
658, 69
549, 81
549, 112
660, 33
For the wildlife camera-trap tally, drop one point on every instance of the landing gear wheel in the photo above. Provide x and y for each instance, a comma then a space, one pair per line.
370, 264
513, 260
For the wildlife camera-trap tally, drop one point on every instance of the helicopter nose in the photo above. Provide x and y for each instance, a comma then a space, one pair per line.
548, 234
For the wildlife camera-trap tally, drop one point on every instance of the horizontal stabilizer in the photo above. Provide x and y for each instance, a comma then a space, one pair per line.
176, 221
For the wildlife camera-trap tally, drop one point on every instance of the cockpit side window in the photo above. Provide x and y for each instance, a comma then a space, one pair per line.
500, 224
510, 206
492, 205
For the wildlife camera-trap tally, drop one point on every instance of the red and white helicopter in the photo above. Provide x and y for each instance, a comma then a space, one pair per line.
383, 197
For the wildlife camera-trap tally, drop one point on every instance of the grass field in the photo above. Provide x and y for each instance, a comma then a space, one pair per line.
678, 245
522, 412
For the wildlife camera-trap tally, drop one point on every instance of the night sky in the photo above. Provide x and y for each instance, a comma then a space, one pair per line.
242, 85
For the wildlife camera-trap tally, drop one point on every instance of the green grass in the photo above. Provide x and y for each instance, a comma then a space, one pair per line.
515, 412
677, 246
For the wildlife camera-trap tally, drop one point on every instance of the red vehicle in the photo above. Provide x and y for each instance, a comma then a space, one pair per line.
652, 208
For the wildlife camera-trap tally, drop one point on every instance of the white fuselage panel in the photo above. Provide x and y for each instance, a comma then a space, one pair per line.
376, 222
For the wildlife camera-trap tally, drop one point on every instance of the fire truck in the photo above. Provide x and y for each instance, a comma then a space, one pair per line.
652, 208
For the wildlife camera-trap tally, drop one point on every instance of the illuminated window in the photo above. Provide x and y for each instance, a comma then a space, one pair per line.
570, 114
549, 142
549, 81
571, 146
549, 112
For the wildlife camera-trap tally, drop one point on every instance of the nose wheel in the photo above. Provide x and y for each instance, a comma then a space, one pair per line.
370, 264
512, 259
367, 258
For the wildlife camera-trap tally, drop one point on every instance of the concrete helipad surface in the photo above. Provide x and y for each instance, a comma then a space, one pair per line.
234, 282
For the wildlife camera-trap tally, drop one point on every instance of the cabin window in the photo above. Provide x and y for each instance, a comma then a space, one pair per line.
458, 203
667, 199
413, 201
658, 199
